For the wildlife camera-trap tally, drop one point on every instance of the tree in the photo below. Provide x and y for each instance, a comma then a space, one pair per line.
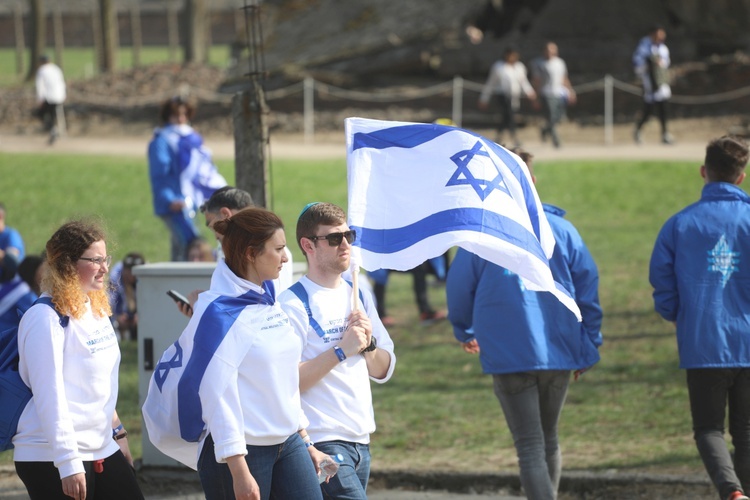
109, 36
38, 35
196, 23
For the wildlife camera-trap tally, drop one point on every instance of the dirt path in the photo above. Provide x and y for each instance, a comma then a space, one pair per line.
579, 143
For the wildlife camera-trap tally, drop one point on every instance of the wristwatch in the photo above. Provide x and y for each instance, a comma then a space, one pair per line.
371, 347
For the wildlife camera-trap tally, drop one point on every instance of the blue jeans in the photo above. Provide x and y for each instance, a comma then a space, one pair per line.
532, 403
182, 232
350, 482
554, 107
710, 390
281, 471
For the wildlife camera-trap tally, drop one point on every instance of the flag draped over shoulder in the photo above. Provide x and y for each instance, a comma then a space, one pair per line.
416, 190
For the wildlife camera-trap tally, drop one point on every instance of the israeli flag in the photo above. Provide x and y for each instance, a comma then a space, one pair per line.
416, 190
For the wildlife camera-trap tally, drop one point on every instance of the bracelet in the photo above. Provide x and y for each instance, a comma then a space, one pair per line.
339, 353
116, 430
308, 444
121, 436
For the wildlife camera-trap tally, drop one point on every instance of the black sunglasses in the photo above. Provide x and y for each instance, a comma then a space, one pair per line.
335, 239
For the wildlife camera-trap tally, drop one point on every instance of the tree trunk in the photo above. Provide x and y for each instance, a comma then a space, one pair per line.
38, 35
110, 36
249, 116
20, 40
196, 21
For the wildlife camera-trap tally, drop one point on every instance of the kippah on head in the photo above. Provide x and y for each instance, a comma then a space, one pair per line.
307, 207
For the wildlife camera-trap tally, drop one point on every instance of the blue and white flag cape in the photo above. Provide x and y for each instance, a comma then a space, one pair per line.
416, 190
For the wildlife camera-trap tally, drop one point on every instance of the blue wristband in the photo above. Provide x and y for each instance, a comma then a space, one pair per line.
117, 430
339, 353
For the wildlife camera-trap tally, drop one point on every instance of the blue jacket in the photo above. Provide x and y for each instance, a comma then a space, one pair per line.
701, 278
520, 330
164, 169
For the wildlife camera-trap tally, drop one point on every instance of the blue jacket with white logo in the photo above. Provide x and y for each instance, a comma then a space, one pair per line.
520, 330
701, 279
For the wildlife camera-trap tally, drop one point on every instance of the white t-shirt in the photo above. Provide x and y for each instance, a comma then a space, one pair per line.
339, 407
552, 73
73, 375
507, 79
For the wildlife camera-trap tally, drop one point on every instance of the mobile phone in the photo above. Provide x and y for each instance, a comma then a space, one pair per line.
178, 297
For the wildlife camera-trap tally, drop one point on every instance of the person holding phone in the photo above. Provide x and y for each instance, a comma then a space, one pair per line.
242, 388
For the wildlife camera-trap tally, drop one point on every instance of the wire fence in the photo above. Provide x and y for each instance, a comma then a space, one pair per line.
453, 88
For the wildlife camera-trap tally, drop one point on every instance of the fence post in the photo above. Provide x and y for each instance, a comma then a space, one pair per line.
458, 100
608, 118
309, 109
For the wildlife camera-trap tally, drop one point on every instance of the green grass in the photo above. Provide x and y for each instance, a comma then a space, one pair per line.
438, 412
79, 63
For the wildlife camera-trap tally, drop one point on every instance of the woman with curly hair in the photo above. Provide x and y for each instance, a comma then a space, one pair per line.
70, 441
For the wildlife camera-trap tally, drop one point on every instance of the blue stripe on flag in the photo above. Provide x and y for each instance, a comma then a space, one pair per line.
403, 136
214, 325
386, 241
411, 136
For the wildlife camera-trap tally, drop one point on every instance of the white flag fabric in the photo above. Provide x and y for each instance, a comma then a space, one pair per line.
416, 190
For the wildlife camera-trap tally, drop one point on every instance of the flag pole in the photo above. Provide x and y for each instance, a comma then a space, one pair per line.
355, 286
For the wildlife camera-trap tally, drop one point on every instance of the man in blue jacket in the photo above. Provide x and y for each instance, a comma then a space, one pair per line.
530, 342
702, 284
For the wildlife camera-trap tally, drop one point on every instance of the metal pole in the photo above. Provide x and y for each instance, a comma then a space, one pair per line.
608, 119
309, 109
458, 100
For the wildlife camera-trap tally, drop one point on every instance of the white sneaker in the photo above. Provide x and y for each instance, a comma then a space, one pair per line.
667, 138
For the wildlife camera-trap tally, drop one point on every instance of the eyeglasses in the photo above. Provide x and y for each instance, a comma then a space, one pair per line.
335, 239
98, 261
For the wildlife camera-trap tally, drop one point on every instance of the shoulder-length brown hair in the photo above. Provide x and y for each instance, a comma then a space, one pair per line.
245, 234
61, 279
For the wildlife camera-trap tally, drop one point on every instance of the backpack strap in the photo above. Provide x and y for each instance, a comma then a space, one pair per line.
298, 289
48, 300
361, 297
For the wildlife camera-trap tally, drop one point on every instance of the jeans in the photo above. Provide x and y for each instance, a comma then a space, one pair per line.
282, 471
554, 107
350, 482
532, 403
710, 390
507, 118
182, 232
648, 110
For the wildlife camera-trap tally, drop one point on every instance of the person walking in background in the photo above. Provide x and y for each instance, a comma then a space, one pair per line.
550, 79
70, 441
651, 62
342, 349
700, 281
532, 350
507, 79
181, 173
50, 96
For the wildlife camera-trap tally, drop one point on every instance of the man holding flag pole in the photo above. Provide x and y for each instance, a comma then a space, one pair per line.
345, 345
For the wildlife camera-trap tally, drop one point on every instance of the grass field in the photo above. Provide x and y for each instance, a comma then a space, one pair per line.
79, 63
438, 412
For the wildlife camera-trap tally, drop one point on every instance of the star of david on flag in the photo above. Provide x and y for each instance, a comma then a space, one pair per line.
416, 190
